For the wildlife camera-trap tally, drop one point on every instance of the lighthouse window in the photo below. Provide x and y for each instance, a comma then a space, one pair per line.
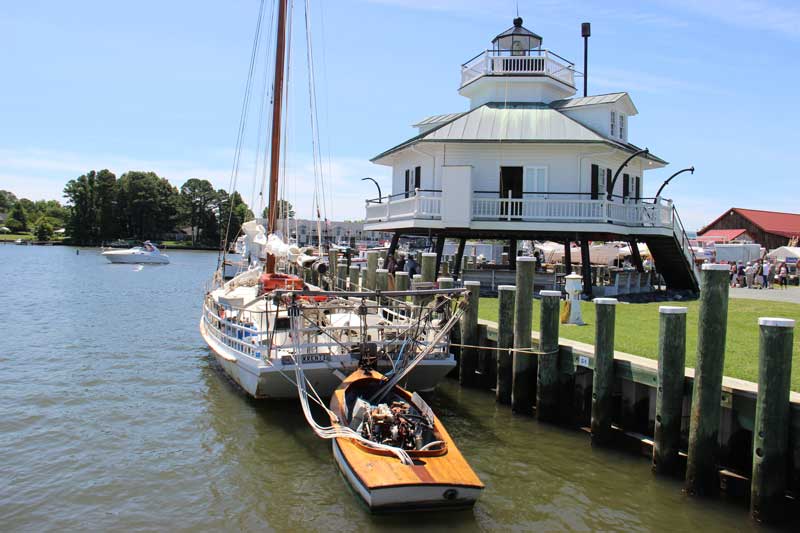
613, 123
622, 126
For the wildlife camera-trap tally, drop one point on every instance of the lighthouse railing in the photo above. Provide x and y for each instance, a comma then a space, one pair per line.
533, 62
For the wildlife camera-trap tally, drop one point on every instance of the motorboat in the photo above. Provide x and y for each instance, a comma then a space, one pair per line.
145, 254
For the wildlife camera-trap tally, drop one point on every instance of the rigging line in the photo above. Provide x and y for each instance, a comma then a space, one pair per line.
327, 102
289, 120
268, 96
261, 130
312, 95
242, 126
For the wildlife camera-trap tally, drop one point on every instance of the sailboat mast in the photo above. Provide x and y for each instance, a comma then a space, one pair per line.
277, 108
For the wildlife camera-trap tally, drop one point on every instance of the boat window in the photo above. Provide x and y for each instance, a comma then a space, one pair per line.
282, 323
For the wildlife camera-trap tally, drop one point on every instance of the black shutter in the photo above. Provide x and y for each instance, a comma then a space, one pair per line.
609, 191
638, 188
417, 178
595, 182
626, 186
408, 176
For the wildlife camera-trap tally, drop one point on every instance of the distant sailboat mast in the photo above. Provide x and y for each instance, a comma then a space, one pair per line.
277, 108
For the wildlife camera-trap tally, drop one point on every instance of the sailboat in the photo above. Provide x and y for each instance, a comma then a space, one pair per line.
247, 320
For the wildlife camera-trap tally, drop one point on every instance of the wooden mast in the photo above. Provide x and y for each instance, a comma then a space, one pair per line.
277, 108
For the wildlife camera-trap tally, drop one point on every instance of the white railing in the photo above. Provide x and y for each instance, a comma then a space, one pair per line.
421, 204
537, 62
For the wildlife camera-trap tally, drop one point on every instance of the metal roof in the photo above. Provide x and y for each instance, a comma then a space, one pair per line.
517, 29
513, 122
611, 98
783, 224
436, 119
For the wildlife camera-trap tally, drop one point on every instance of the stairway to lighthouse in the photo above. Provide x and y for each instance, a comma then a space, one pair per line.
674, 261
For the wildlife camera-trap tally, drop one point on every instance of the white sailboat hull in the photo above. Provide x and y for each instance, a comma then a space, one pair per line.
263, 380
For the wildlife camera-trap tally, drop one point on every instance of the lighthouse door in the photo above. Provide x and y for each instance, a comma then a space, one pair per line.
510, 187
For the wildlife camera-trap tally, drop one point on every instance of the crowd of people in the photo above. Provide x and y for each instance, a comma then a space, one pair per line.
762, 274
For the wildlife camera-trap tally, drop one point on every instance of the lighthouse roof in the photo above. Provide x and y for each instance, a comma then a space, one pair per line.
512, 122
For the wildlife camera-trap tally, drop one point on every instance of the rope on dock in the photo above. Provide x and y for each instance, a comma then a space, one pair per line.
528, 351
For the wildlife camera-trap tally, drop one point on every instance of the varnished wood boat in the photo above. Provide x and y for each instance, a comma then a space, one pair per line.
440, 477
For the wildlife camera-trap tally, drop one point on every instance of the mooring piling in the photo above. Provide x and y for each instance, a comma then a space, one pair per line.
603, 380
771, 428
445, 283
401, 280
702, 476
381, 279
372, 266
332, 268
523, 364
505, 339
354, 270
341, 275
669, 392
547, 372
428, 267
468, 362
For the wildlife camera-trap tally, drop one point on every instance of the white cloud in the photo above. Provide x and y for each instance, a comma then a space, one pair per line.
750, 14
42, 174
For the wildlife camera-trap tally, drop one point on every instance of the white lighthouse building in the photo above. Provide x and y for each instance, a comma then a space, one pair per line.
528, 160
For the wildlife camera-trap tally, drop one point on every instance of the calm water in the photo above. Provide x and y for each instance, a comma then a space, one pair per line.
114, 416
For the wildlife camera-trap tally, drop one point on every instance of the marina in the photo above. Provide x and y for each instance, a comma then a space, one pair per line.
518, 333
119, 418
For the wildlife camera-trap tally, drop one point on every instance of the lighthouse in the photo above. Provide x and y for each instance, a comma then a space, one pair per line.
528, 160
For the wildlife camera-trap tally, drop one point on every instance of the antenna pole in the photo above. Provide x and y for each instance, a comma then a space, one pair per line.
586, 32
277, 108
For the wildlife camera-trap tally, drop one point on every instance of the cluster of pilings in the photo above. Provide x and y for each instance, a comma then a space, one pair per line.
530, 381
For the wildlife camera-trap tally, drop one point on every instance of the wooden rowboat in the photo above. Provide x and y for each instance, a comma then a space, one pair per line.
439, 477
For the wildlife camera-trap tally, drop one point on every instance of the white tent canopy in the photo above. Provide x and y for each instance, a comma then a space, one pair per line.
784, 252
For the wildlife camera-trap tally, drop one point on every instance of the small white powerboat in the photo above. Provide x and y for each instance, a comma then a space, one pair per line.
145, 254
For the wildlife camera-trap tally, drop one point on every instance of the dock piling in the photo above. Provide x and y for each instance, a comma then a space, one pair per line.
547, 372
372, 266
771, 428
468, 361
401, 280
603, 380
506, 295
341, 275
523, 364
354, 270
669, 391
702, 476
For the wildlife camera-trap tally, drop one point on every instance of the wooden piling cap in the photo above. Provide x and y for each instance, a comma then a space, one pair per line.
672, 310
372, 252
506, 287
606, 301
550, 293
776, 322
715, 266
472, 283
417, 276
428, 254
401, 273
381, 271
526, 259
439, 280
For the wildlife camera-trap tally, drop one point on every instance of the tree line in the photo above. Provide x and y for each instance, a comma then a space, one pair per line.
101, 208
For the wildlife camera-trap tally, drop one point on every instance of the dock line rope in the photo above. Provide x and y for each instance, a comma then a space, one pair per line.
527, 351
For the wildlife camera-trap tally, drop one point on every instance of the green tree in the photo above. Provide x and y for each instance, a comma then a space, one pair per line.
17, 220
196, 208
233, 212
147, 204
105, 204
44, 231
7, 201
82, 220
285, 210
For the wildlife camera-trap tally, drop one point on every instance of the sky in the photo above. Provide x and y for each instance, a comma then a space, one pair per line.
158, 85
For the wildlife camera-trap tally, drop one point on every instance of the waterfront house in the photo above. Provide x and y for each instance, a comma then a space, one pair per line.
528, 160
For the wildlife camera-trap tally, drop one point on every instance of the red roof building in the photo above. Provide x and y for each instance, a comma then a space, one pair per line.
770, 229
722, 236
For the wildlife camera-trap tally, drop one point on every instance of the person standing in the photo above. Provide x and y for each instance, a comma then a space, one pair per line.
732, 272
766, 273
783, 275
411, 266
740, 274
748, 275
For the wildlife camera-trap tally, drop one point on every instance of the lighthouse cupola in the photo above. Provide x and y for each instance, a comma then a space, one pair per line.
517, 40
517, 69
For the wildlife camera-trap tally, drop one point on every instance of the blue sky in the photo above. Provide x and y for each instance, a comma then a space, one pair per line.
157, 85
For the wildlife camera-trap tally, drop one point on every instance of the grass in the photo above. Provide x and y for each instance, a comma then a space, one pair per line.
15, 236
637, 331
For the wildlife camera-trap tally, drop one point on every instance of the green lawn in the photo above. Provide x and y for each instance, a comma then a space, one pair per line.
14, 236
637, 331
